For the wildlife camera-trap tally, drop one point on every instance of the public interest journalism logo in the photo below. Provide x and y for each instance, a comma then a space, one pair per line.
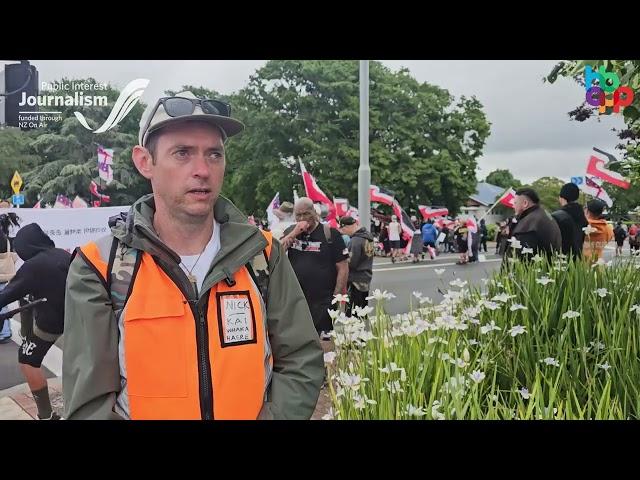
79, 94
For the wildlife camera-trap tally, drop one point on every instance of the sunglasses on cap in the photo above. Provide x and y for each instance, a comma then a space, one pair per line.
182, 106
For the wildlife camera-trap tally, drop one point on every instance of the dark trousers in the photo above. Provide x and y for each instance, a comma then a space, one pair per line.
483, 244
356, 298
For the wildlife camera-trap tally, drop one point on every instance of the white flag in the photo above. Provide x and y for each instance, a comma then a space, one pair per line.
79, 203
275, 204
105, 164
593, 186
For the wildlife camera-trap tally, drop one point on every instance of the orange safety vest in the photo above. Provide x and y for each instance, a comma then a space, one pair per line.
163, 362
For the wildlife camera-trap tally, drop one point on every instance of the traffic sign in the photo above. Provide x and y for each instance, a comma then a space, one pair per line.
17, 199
16, 182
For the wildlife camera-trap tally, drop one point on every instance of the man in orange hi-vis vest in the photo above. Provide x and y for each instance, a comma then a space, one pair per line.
186, 311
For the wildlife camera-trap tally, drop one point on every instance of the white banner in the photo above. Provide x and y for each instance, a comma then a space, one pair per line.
69, 227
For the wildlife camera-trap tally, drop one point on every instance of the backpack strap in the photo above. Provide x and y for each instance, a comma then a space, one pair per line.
258, 267
122, 268
327, 233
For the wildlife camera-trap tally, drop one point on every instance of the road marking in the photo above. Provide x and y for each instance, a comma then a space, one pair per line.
429, 266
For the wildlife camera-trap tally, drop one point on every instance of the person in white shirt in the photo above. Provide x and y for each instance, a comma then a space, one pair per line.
394, 238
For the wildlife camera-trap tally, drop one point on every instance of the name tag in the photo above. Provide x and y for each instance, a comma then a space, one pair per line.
236, 319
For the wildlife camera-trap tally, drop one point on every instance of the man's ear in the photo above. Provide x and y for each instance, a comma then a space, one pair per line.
143, 161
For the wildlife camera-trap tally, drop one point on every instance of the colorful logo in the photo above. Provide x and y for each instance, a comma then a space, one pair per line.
607, 94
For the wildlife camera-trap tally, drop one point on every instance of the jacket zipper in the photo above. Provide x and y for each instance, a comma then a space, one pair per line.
202, 342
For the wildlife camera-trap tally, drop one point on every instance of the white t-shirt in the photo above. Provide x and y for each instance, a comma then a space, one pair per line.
202, 264
394, 231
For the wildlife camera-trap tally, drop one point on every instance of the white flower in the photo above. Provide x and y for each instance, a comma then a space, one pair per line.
588, 230
485, 280
359, 402
551, 361
600, 262
584, 349
537, 258
503, 297
329, 415
340, 298
517, 306
418, 295
635, 308
465, 355
363, 311
477, 376
517, 330
333, 314
471, 311
458, 283
329, 357
460, 363
544, 280
605, 366
473, 341
351, 381
515, 243
525, 393
439, 271
490, 305
378, 295
526, 251
393, 387
570, 314
434, 411
415, 411
488, 328
597, 345
475, 321
371, 402
602, 292
425, 300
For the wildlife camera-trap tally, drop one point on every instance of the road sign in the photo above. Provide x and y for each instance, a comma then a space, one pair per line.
16, 182
17, 199
577, 180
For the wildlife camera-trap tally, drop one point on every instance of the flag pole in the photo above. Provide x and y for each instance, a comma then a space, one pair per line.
497, 201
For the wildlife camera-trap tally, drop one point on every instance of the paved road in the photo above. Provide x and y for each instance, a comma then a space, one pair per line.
402, 279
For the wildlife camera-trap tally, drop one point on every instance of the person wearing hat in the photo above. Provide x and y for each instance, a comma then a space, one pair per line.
361, 250
571, 220
598, 233
185, 311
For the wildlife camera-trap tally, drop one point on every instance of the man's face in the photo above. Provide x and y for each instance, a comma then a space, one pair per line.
520, 204
188, 169
306, 213
349, 229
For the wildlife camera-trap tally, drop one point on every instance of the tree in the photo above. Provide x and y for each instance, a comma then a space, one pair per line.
503, 178
628, 72
423, 146
61, 158
14, 156
548, 189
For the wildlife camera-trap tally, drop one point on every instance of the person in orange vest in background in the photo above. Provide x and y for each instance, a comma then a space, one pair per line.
598, 233
634, 244
186, 311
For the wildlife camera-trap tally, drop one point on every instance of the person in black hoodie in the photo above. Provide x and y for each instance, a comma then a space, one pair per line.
360, 262
571, 220
43, 275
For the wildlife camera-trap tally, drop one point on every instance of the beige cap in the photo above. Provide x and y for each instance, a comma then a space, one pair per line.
228, 125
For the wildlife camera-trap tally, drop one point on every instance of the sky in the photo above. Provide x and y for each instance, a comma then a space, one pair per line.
531, 134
